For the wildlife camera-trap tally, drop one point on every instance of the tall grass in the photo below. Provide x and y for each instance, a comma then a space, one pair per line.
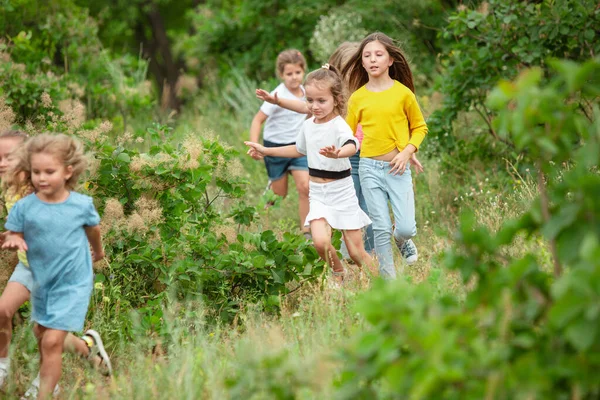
291, 355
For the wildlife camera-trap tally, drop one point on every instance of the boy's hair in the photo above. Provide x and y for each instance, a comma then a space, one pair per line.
399, 70
329, 77
290, 56
344, 52
66, 148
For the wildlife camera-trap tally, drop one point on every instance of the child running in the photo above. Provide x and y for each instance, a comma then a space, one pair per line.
281, 128
328, 142
53, 225
338, 59
384, 104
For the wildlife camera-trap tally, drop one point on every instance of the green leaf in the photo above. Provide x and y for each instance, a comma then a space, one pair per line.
259, 261
124, 157
582, 333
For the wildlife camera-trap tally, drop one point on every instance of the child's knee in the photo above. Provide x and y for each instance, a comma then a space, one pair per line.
52, 342
404, 232
321, 244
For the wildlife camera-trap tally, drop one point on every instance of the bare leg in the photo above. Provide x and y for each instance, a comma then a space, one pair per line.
51, 343
321, 233
301, 180
280, 186
76, 345
12, 298
356, 249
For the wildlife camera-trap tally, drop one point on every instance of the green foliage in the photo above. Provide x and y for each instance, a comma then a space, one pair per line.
251, 33
525, 330
163, 232
63, 57
499, 40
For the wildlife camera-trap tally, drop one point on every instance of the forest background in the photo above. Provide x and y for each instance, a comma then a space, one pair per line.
208, 294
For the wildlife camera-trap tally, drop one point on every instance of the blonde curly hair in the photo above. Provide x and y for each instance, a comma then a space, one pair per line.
66, 148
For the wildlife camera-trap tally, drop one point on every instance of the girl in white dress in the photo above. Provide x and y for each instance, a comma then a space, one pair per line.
328, 142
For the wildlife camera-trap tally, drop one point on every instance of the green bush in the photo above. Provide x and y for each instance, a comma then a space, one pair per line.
497, 41
526, 329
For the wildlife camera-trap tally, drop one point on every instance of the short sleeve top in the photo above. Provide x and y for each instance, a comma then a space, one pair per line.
282, 125
58, 250
313, 137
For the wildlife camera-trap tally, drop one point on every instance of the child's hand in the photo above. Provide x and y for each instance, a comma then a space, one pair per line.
98, 256
398, 163
256, 151
266, 96
330, 151
416, 164
14, 242
2, 235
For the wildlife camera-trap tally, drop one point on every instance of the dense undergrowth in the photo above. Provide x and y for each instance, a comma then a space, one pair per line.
207, 293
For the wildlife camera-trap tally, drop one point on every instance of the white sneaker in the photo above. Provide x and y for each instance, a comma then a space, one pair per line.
32, 392
3, 373
409, 251
97, 349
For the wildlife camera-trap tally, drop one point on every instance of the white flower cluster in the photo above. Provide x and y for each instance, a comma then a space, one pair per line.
333, 29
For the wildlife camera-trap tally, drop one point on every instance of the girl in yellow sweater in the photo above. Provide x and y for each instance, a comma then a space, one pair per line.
384, 104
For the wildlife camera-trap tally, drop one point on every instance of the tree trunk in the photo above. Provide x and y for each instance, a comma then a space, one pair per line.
166, 71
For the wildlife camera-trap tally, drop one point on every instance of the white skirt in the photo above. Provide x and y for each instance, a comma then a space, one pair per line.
337, 203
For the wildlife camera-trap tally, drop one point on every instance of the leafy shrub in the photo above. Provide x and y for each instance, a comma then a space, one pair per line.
500, 39
525, 330
164, 233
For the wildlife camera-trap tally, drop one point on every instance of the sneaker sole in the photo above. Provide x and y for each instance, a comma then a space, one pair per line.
411, 260
103, 354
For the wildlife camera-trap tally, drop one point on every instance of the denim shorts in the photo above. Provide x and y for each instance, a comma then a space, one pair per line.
22, 275
277, 167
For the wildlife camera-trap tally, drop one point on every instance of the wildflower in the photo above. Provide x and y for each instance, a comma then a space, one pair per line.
135, 224
7, 116
98, 286
113, 210
46, 100
149, 210
73, 113
126, 137
137, 163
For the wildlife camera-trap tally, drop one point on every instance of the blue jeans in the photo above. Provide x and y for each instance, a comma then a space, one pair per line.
369, 241
380, 187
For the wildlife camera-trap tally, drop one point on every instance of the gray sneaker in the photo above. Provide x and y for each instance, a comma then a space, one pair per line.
409, 251
32, 392
97, 349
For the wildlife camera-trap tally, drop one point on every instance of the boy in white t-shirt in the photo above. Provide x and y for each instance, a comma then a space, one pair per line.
281, 129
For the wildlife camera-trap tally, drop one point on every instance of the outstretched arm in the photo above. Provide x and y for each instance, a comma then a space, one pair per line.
95, 239
258, 150
289, 104
14, 241
347, 150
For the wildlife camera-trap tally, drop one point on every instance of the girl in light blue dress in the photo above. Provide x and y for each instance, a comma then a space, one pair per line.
54, 226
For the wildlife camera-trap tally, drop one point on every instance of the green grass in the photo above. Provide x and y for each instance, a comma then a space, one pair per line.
291, 355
